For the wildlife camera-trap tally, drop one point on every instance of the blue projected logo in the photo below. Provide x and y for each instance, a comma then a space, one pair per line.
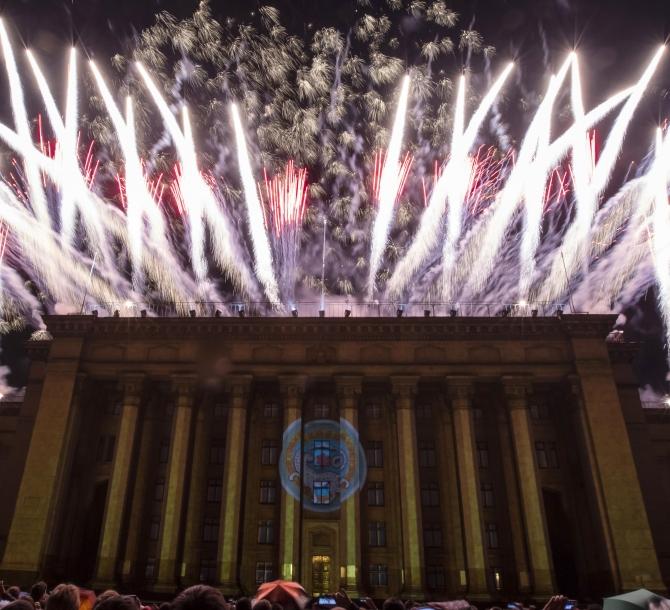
334, 462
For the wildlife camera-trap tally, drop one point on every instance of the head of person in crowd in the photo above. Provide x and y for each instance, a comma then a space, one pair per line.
393, 603
119, 602
38, 592
200, 597
167, 606
103, 596
63, 597
244, 603
14, 592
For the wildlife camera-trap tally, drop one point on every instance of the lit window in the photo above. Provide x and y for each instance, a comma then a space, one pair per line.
430, 494
375, 493
427, 457
150, 567
492, 535
214, 490
435, 578
379, 575
264, 572
321, 492
271, 409
497, 579
210, 530
375, 454
266, 534
269, 452
482, 455
377, 533
268, 492
487, 495
432, 536
321, 453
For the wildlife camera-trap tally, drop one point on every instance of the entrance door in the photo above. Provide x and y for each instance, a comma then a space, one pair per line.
320, 574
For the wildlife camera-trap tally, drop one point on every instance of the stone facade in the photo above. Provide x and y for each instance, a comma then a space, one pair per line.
420, 457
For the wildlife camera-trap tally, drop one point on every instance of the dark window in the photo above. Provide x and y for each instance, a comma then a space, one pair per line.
373, 410
547, 456
321, 410
492, 535
113, 407
269, 452
105, 453
427, 457
482, 455
430, 494
375, 454
432, 536
150, 567
208, 571
210, 530
219, 410
321, 492
266, 532
539, 411
264, 572
268, 492
477, 414
375, 493
321, 455
159, 490
377, 533
164, 452
487, 495
217, 451
435, 579
379, 575
270, 409
154, 528
214, 490
424, 410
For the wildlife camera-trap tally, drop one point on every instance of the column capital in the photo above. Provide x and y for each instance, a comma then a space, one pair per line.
348, 386
238, 384
404, 386
517, 387
292, 385
130, 383
460, 389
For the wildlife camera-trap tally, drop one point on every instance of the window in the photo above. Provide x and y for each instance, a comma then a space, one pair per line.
477, 414
373, 410
427, 455
321, 492
321, 410
539, 411
208, 571
264, 572
424, 410
375, 454
210, 530
219, 410
430, 494
154, 528
321, 454
269, 452
271, 409
497, 578
487, 495
492, 535
105, 453
159, 490
150, 567
435, 579
547, 456
432, 536
375, 493
113, 407
377, 533
266, 533
268, 492
164, 452
379, 575
217, 451
214, 490
482, 455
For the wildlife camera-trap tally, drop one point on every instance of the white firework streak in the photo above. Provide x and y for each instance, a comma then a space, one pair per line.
389, 187
430, 225
259, 237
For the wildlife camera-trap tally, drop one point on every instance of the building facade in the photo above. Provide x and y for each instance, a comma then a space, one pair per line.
422, 457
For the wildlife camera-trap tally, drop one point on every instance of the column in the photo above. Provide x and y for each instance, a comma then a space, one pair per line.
173, 509
292, 389
348, 392
516, 390
190, 572
117, 493
46, 465
404, 389
513, 504
130, 570
233, 473
460, 388
450, 498
615, 471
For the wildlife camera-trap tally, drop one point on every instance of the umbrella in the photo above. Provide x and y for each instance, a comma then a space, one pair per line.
634, 600
284, 592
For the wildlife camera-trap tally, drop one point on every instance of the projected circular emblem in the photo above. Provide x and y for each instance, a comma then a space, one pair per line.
333, 459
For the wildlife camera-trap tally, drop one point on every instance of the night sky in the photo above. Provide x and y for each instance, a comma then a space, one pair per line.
615, 37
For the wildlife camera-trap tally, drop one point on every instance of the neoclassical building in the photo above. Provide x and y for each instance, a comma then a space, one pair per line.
430, 458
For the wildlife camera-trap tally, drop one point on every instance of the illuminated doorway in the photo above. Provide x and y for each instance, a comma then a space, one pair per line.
320, 574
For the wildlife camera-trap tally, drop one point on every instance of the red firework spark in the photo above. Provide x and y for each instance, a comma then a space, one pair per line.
284, 198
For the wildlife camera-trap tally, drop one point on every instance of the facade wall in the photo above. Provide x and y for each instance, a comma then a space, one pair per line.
486, 459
